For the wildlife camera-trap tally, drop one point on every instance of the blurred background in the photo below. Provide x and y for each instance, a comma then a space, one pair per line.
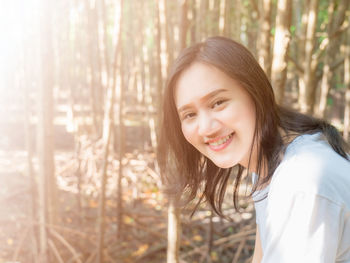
81, 84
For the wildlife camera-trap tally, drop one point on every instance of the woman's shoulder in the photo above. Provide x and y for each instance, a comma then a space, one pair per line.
310, 165
313, 151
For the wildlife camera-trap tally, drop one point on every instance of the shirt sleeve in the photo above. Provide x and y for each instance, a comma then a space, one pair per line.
303, 228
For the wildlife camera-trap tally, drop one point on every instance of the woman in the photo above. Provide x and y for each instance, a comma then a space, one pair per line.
220, 119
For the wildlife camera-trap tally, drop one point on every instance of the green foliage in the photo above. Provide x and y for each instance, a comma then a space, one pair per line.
340, 85
292, 30
330, 101
321, 38
323, 16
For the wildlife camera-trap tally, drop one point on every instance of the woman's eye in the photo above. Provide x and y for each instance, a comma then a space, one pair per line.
188, 115
218, 103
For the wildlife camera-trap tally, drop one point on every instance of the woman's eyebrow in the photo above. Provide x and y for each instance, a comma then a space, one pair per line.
204, 98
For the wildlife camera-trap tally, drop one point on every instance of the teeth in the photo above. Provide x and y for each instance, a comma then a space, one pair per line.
221, 141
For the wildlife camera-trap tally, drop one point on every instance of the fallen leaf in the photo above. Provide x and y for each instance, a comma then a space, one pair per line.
197, 238
141, 250
93, 203
214, 256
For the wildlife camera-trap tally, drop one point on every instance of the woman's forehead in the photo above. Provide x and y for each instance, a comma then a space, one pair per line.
199, 81
196, 80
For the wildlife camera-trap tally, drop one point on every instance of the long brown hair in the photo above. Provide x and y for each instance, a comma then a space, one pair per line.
184, 169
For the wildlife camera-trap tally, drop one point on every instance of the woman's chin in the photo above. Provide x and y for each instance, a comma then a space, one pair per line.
225, 165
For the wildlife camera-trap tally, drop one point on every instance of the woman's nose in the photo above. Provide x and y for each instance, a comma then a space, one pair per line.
207, 125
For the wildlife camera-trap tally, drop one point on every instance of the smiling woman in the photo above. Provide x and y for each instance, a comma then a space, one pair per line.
219, 113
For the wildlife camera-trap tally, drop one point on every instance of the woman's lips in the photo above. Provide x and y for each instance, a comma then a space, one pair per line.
221, 143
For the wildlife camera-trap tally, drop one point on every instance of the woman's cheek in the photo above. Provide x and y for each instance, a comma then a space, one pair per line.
229, 114
187, 132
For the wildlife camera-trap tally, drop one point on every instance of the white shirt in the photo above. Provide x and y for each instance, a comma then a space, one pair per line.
306, 215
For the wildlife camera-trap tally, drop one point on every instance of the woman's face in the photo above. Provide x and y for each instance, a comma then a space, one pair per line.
217, 115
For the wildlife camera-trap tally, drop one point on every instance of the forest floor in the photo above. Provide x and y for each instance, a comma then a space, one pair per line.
205, 237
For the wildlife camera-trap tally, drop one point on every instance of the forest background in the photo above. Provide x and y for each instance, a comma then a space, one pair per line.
81, 84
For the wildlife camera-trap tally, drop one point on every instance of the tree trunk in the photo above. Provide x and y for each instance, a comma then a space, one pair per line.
198, 15
29, 148
264, 39
300, 49
107, 131
94, 64
166, 54
307, 92
103, 39
174, 231
326, 73
227, 18
100, 91
347, 85
215, 18
158, 55
203, 13
121, 137
171, 45
280, 48
184, 23
237, 20
45, 136
252, 19
25, 76
222, 12
210, 235
194, 17
30, 172
121, 150
141, 65
332, 50
164, 11
150, 105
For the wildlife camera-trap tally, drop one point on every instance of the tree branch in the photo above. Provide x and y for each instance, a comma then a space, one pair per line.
296, 64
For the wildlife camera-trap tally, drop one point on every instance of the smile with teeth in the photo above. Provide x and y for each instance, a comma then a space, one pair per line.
220, 141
